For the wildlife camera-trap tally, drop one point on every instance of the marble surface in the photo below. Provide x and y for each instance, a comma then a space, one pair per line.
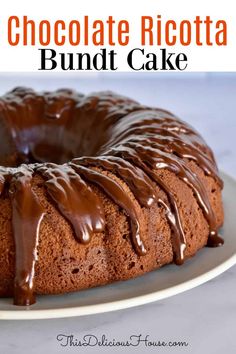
204, 317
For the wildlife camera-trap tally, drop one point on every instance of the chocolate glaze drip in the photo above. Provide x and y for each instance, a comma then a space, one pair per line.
27, 215
71, 140
75, 200
172, 211
143, 189
138, 182
147, 160
120, 197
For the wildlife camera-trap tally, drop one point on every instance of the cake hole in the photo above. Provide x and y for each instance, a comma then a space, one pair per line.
213, 190
90, 267
98, 252
141, 267
75, 271
124, 237
131, 265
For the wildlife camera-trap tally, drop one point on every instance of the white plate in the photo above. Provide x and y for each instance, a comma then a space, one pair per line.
156, 285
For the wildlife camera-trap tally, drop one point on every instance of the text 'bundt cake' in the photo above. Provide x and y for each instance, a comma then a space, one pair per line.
98, 188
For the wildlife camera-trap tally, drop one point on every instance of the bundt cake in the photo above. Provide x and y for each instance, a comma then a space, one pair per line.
96, 189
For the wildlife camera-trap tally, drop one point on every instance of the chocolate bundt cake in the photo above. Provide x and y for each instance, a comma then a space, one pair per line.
96, 189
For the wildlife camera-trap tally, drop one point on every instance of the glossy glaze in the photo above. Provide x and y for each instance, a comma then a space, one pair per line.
70, 140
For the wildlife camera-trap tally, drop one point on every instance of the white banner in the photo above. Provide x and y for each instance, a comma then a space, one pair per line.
147, 36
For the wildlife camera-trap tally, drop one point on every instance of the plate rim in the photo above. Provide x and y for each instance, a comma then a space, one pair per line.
86, 310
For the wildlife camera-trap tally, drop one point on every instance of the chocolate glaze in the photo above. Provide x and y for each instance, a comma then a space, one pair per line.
75, 141
27, 215
74, 199
120, 197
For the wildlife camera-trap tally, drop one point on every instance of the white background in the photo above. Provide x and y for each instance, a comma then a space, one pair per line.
199, 58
